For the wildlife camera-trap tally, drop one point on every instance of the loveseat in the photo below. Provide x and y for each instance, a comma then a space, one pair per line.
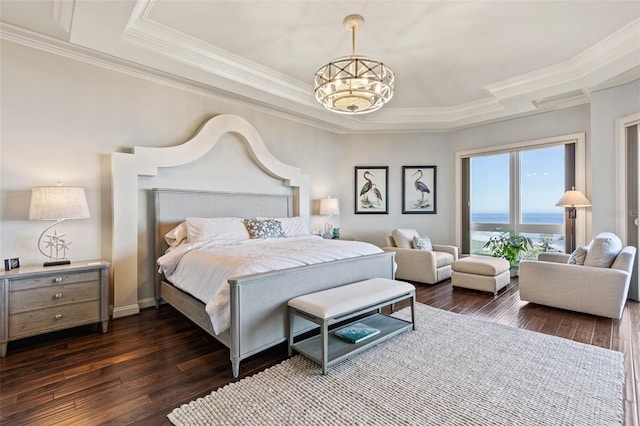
425, 262
592, 280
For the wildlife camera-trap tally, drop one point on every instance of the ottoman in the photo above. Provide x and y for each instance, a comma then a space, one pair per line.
481, 273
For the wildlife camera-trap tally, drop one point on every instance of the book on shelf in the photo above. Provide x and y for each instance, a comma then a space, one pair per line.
356, 333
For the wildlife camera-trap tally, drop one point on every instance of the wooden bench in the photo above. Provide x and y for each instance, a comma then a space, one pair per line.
339, 304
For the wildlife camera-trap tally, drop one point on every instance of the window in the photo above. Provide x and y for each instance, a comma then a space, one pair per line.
516, 188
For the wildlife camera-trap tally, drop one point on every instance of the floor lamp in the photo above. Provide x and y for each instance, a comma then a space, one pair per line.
572, 199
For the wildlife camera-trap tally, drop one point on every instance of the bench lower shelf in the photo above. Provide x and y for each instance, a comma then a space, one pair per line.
340, 349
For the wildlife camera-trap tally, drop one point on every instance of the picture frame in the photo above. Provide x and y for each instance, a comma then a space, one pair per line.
10, 264
419, 189
371, 190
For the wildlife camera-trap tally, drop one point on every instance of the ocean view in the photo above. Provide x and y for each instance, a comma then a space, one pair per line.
541, 218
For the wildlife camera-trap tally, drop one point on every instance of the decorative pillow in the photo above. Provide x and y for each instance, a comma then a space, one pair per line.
176, 236
403, 238
291, 226
578, 255
268, 228
422, 243
603, 250
224, 230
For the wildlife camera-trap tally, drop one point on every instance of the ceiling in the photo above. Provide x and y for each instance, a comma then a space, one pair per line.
457, 63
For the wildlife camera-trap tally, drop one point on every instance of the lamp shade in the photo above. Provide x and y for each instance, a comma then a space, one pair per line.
329, 206
573, 198
58, 202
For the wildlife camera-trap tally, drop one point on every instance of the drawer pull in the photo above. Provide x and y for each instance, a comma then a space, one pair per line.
57, 317
58, 279
57, 296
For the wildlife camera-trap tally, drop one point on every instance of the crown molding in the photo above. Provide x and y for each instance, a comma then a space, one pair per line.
613, 61
63, 13
72, 51
575, 73
144, 32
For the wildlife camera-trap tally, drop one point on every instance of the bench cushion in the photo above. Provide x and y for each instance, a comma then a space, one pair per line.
341, 300
481, 265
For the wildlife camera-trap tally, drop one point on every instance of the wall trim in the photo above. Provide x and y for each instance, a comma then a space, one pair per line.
621, 172
147, 302
145, 161
124, 311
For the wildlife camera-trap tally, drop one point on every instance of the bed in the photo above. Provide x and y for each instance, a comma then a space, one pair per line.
257, 308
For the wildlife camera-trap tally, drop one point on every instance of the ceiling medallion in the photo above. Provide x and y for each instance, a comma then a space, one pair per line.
353, 84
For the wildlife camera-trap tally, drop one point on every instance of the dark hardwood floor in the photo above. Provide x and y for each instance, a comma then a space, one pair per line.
148, 364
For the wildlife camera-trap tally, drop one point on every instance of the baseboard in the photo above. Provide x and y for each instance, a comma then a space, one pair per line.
123, 311
147, 303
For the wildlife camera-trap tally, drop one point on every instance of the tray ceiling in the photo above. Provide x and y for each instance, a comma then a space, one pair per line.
457, 64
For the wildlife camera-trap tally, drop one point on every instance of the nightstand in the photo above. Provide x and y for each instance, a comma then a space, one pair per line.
36, 300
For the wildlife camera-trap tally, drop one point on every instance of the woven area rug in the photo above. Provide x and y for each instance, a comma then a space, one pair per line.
453, 370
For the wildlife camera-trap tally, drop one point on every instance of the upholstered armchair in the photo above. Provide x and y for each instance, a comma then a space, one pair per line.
594, 279
418, 259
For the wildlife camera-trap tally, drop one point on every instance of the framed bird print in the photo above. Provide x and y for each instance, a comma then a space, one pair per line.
372, 195
419, 189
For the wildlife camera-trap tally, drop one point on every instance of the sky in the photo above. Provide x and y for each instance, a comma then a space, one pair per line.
542, 181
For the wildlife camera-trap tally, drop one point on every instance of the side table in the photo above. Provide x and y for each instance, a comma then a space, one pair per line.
36, 299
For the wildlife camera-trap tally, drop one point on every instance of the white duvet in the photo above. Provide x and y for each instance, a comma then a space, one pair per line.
202, 269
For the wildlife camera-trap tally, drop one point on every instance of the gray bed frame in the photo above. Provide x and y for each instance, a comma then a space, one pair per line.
259, 301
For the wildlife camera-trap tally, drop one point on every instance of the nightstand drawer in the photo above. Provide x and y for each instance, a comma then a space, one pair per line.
53, 279
38, 298
54, 318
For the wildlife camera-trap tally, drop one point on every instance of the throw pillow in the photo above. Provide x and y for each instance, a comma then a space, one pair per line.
578, 255
422, 243
269, 228
603, 250
177, 235
291, 226
221, 230
403, 238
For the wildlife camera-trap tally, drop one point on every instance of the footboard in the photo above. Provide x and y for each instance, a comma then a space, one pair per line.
259, 302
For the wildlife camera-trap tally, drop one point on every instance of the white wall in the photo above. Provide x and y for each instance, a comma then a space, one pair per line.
607, 106
61, 119
395, 151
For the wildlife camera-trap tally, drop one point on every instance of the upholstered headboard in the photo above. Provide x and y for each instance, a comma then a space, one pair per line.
172, 206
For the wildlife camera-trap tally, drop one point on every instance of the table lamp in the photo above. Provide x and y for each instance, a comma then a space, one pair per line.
328, 206
57, 203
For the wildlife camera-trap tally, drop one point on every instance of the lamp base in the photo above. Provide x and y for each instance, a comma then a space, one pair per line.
57, 263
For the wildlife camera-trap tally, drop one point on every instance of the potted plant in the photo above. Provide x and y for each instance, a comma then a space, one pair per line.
509, 245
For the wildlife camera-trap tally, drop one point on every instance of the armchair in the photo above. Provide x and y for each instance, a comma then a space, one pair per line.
420, 265
603, 291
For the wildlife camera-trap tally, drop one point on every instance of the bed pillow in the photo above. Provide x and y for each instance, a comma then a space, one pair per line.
176, 236
422, 243
603, 250
403, 238
291, 226
224, 230
266, 228
578, 255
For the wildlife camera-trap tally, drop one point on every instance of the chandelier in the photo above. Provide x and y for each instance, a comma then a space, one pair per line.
353, 84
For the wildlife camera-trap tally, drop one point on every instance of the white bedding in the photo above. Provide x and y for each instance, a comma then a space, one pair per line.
203, 268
